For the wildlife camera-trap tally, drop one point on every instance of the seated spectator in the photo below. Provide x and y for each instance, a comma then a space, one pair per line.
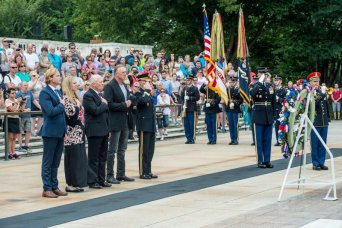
35, 86
13, 105
25, 119
23, 74
163, 113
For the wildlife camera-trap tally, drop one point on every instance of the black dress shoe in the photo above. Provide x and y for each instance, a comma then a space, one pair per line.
269, 165
153, 176
318, 168
277, 144
72, 189
234, 143
324, 167
187, 142
209, 143
112, 180
231, 143
125, 178
192, 142
145, 177
105, 184
253, 144
261, 165
213, 143
95, 186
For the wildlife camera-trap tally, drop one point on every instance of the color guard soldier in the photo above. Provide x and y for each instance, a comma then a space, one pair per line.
211, 108
233, 109
321, 124
146, 126
250, 109
263, 117
190, 96
280, 94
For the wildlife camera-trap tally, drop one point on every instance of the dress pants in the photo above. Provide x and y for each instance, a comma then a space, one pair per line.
97, 154
233, 118
276, 128
117, 145
189, 126
146, 151
263, 142
53, 149
210, 120
318, 151
251, 125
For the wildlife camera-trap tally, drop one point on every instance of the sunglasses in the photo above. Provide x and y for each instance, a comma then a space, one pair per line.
14, 67
62, 50
13, 93
89, 60
22, 66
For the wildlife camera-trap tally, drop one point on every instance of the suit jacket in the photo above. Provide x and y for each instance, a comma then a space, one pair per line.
193, 94
118, 111
146, 112
263, 114
54, 124
95, 114
234, 94
213, 99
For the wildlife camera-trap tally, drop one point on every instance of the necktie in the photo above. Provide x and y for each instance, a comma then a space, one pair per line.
57, 93
101, 94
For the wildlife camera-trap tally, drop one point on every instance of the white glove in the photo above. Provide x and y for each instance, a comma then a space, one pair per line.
186, 98
227, 84
207, 105
262, 78
324, 89
206, 82
231, 105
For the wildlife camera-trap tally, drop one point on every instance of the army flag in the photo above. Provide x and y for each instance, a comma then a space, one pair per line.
242, 57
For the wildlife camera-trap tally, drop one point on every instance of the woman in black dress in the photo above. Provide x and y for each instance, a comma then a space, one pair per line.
75, 158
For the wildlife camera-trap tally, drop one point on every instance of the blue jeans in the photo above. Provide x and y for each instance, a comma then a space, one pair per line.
233, 119
210, 120
53, 148
189, 126
263, 142
317, 149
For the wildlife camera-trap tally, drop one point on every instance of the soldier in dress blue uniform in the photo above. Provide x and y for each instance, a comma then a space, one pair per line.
250, 109
321, 124
233, 109
263, 117
280, 94
190, 95
211, 108
146, 125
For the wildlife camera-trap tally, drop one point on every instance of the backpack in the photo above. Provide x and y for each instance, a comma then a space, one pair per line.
3, 86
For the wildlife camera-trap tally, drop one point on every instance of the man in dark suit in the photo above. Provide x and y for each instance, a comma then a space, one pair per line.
97, 131
263, 117
52, 131
146, 126
190, 96
117, 95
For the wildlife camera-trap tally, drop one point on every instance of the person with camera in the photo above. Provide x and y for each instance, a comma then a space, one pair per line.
25, 119
263, 117
190, 96
233, 108
117, 95
211, 107
13, 105
146, 126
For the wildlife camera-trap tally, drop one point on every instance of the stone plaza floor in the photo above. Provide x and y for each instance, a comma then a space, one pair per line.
199, 185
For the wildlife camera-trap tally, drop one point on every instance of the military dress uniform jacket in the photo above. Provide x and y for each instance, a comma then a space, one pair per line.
235, 98
263, 103
213, 98
280, 94
146, 113
193, 94
322, 117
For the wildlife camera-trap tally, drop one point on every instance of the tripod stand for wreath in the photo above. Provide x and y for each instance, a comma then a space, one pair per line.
304, 129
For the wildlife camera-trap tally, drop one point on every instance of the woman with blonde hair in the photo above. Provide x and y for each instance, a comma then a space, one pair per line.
75, 158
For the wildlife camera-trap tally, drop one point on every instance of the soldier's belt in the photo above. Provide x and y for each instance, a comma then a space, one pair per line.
263, 103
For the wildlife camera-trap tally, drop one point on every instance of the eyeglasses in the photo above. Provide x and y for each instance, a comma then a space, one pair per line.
22, 66
62, 50
14, 67
72, 48
89, 60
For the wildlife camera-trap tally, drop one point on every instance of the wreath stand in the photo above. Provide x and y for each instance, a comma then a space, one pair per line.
302, 179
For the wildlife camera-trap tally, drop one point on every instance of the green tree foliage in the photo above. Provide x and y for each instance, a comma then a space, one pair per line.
291, 37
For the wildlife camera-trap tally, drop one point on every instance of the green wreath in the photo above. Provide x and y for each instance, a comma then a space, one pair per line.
293, 107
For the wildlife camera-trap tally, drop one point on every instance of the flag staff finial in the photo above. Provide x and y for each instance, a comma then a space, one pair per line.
203, 5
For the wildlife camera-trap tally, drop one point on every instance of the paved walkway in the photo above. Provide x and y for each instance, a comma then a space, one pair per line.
234, 194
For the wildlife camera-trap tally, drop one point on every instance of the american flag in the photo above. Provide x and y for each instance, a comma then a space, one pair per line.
207, 47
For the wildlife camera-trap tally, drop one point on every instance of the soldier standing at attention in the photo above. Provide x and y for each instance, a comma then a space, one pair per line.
190, 96
146, 126
280, 93
211, 108
233, 109
263, 117
321, 124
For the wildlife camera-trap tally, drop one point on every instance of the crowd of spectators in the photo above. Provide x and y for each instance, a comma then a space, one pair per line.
22, 79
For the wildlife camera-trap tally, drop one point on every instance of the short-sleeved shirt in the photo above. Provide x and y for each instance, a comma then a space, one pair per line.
336, 94
9, 103
16, 80
29, 98
65, 67
31, 59
24, 76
